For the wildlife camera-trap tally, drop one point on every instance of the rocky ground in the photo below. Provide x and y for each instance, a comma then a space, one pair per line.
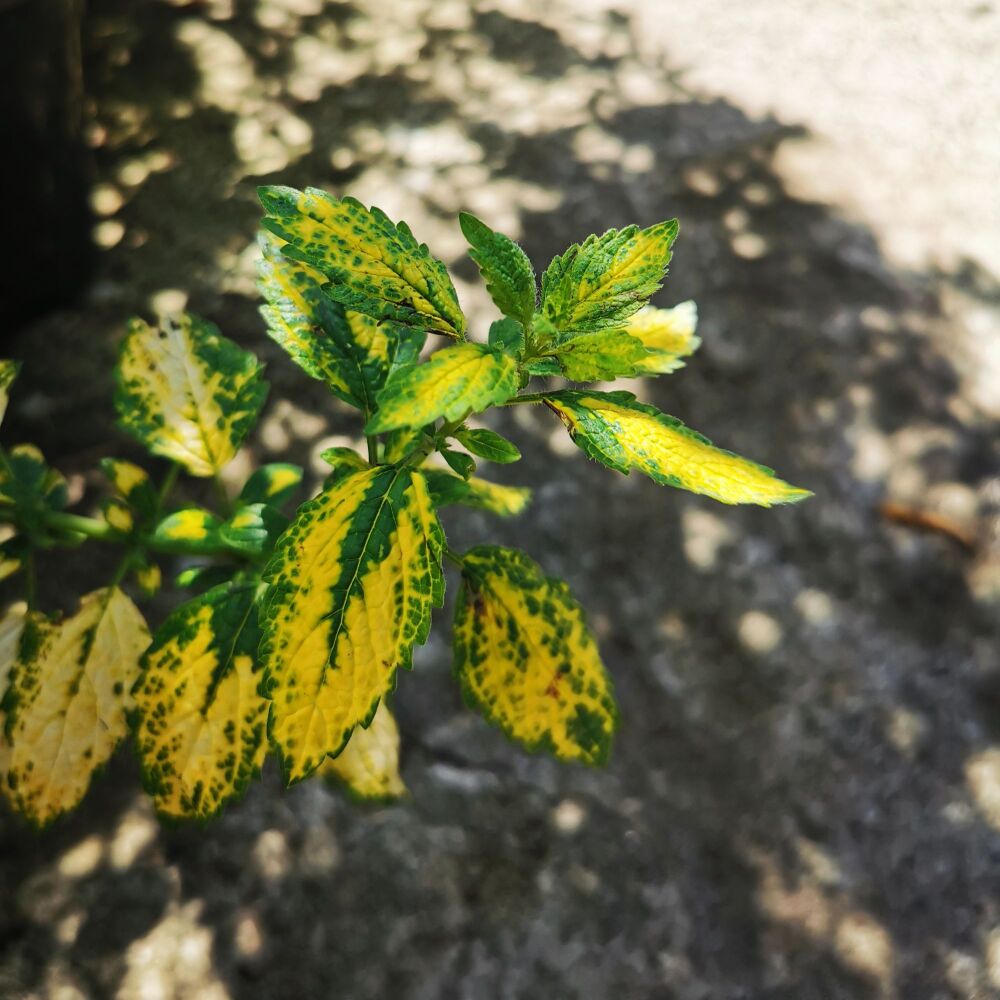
804, 800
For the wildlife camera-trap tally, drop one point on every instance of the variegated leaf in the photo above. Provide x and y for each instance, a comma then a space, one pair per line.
133, 483
66, 702
509, 276
369, 765
272, 484
668, 334
11, 627
200, 721
187, 392
352, 583
605, 354
447, 488
373, 266
8, 372
525, 658
622, 433
452, 383
599, 284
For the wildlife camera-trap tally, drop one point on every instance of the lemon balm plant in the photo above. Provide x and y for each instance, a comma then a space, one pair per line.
299, 621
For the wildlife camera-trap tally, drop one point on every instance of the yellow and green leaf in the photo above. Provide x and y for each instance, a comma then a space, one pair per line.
452, 383
187, 392
601, 283
66, 702
369, 765
351, 586
11, 627
668, 334
189, 530
352, 353
447, 488
509, 276
602, 355
624, 434
272, 484
8, 372
26, 481
373, 266
526, 660
200, 720
133, 483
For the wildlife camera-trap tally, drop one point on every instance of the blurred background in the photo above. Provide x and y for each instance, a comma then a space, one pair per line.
804, 798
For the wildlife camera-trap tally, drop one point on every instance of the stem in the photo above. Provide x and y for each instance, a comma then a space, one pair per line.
168, 484
528, 397
30, 580
372, 441
221, 496
89, 527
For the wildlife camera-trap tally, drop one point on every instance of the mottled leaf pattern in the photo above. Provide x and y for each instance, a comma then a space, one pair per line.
454, 382
525, 658
606, 354
200, 721
187, 392
369, 765
668, 334
447, 488
189, 530
273, 484
509, 276
8, 372
373, 266
352, 583
601, 282
622, 433
66, 701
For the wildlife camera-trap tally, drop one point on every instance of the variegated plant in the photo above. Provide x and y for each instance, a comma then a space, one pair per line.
299, 623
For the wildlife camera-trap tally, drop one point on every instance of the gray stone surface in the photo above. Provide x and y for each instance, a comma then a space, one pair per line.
804, 799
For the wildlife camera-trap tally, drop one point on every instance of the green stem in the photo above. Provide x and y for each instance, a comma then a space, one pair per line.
417, 456
168, 484
372, 441
221, 496
528, 397
30, 580
89, 527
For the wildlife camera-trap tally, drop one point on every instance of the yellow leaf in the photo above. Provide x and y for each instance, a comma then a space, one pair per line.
8, 372
352, 583
369, 764
669, 335
11, 627
69, 691
187, 392
524, 656
200, 719
618, 431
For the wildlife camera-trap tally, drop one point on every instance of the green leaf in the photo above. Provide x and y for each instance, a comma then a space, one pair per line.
343, 461
509, 276
351, 587
447, 489
189, 530
606, 354
489, 445
374, 266
29, 485
525, 658
68, 693
8, 372
459, 463
453, 383
507, 335
599, 284
204, 577
668, 334
187, 392
352, 353
253, 529
544, 366
199, 719
369, 765
623, 434
273, 484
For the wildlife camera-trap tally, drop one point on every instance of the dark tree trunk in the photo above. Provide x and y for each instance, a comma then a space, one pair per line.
44, 166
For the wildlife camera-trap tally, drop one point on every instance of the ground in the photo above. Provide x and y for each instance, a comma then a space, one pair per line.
804, 797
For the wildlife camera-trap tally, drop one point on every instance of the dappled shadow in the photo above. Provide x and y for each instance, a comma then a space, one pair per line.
799, 802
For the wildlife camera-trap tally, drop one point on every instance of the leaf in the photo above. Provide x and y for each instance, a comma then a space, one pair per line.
205, 577
453, 383
351, 587
253, 529
187, 392
8, 372
66, 703
352, 353
133, 483
11, 627
606, 354
118, 515
463, 465
200, 721
668, 334
374, 266
149, 579
599, 284
369, 765
489, 445
507, 335
525, 658
623, 434
446, 489
343, 461
29, 485
272, 484
509, 276
189, 530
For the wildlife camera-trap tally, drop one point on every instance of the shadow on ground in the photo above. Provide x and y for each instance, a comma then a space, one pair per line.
803, 802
